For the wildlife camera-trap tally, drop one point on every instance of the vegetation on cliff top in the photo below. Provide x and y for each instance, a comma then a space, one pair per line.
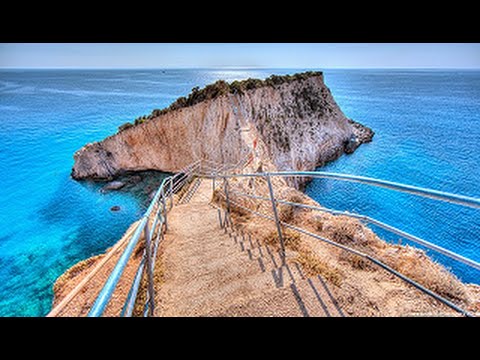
219, 88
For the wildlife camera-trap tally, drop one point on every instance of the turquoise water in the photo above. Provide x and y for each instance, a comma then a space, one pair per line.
48, 222
427, 134
427, 126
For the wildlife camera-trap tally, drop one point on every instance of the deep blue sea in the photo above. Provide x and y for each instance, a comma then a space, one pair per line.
427, 126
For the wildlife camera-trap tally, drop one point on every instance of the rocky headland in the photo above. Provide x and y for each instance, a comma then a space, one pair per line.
291, 122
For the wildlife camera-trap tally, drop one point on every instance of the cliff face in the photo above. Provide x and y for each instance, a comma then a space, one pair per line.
295, 125
302, 125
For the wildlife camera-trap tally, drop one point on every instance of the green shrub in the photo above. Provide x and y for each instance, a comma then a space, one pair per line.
125, 126
236, 87
221, 87
139, 120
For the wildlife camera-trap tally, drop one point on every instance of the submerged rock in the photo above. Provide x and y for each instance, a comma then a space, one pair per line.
134, 179
151, 195
114, 185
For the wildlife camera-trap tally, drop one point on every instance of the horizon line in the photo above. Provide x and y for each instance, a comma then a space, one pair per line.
238, 68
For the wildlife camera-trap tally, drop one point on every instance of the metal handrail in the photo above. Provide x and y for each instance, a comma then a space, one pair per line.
424, 192
158, 201
109, 287
437, 195
218, 170
371, 220
361, 254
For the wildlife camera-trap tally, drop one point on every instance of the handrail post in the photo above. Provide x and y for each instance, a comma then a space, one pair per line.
213, 182
225, 188
164, 206
148, 253
277, 220
220, 218
171, 193
227, 219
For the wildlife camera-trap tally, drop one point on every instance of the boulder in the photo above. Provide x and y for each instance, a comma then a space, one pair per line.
134, 179
114, 185
351, 145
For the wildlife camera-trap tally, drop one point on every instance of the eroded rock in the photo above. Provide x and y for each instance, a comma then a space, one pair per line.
293, 125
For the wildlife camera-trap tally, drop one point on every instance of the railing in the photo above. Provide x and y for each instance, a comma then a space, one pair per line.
434, 194
168, 187
147, 265
153, 225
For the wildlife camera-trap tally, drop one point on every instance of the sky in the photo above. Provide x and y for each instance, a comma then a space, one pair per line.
261, 55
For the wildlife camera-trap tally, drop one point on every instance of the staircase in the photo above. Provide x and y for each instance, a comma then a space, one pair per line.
191, 190
203, 269
208, 271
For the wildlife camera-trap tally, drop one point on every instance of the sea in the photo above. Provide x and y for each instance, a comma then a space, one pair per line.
427, 133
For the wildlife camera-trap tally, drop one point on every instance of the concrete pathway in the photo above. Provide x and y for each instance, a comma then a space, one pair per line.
210, 272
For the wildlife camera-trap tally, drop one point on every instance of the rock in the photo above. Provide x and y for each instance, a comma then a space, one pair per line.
292, 126
351, 145
151, 195
362, 133
115, 208
134, 179
114, 185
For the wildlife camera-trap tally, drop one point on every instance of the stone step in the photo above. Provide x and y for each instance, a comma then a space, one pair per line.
230, 250
218, 290
307, 298
266, 261
269, 259
255, 249
229, 278
215, 241
190, 192
227, 263
213, 272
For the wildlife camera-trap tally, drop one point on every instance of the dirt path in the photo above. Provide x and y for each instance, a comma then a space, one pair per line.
210, 272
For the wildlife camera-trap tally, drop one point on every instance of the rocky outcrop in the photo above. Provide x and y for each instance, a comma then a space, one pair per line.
294, 125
